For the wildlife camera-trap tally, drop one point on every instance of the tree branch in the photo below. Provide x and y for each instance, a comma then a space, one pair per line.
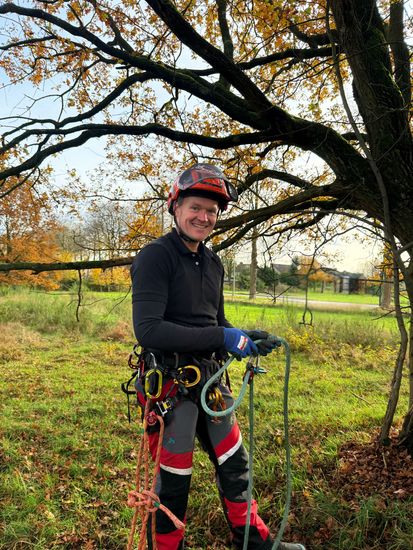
313, 40
37, 268
274, 174
285, 206
212, 55
400, 51
226, 37
89, 131
124, 85
299, 54
27, 42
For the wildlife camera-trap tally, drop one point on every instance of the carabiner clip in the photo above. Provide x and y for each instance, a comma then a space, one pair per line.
216, 399
184, 380
149, 383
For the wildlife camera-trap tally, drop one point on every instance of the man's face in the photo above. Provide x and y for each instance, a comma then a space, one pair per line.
196, 217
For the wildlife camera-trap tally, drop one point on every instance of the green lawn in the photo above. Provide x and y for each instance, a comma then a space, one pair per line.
312, 295
67, 452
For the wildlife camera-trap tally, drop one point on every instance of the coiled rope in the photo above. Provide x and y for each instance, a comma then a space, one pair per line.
249, 380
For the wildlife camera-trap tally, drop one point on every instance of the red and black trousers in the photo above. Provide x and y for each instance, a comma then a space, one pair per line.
221, 439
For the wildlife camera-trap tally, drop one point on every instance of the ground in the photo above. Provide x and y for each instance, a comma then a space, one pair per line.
365, 473
371, 470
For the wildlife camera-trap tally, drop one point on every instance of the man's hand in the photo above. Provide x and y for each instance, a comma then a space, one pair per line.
264, 341
238, 343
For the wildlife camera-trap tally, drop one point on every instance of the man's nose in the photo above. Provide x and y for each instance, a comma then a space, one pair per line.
203, 215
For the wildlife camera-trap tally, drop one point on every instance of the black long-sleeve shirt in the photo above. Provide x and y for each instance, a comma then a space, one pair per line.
177, 298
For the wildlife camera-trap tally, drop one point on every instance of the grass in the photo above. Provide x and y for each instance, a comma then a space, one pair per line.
67, 453
327, 296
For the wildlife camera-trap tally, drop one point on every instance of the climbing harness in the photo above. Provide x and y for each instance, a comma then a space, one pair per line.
146, 367
162, 384
143, 498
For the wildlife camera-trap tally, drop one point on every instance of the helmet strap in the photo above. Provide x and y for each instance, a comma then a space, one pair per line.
183, 235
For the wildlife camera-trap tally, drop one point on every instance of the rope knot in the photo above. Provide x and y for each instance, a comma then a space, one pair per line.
146, 498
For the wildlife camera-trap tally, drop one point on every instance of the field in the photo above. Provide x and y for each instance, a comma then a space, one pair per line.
67, 452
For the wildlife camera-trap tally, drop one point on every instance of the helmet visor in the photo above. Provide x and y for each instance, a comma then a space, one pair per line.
201, 172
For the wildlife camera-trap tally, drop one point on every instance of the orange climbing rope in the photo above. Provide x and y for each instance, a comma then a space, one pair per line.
143, 498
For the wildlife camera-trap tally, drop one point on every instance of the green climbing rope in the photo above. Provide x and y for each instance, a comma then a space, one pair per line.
249, 379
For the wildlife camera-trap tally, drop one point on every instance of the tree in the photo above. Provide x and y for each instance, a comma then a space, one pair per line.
105, 231
386, 276
242, 84
28, 233
310, 269
147, 223
291, 278
269, 276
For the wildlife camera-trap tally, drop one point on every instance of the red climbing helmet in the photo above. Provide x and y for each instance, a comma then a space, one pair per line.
204, 180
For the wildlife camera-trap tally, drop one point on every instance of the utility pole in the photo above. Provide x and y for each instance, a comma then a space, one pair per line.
233, 277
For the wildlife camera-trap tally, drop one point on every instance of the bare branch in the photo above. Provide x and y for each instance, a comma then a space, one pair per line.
36, 268
400, 51
27, 42
226, 37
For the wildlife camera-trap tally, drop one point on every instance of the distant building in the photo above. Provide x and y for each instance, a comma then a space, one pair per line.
344, 281
281, 268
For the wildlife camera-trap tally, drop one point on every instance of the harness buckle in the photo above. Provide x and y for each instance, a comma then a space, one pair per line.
163, 407
182, 376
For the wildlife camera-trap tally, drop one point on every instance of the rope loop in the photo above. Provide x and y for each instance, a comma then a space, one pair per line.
146, 498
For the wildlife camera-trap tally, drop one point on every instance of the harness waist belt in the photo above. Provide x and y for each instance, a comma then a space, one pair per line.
171, 360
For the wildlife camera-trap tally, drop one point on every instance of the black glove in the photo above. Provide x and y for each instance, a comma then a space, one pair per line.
264, 341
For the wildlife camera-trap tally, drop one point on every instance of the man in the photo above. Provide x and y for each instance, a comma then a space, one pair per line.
179, 319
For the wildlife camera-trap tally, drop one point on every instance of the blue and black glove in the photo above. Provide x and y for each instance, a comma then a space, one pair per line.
238, 343
264, 341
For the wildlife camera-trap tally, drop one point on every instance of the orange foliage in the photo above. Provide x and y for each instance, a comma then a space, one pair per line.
151, 217
311, 268
27, 234
110, 278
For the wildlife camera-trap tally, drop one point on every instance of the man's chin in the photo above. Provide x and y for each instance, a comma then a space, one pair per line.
196, 237
199, 235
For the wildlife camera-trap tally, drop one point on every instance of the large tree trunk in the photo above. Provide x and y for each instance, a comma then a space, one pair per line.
406, 434
383, 100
